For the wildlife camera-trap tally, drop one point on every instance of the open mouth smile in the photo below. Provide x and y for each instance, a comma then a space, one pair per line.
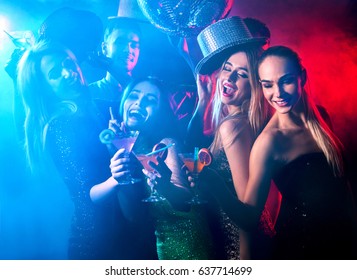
138, 115
281, 102
228, 89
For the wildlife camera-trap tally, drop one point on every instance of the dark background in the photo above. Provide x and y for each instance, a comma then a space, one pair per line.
35, 212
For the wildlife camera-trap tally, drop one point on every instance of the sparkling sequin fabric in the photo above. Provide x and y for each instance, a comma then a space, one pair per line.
182, 235
82, 162
227, 226
316, 216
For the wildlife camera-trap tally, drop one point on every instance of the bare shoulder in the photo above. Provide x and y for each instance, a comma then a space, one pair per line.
266, 143
236, 125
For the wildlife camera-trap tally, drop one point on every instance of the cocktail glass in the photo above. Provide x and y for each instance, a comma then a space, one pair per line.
154, 195
194, 166
21, 39
121, 140
152, 157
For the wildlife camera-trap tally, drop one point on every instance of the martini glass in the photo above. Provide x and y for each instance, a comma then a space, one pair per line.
195, 166
120, 140
154, 195
145, 159
21, 39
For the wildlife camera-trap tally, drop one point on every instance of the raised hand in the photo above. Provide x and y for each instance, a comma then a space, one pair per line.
205, 86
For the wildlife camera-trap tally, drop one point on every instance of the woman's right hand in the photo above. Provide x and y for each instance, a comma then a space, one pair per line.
119, 165
212, 182
190, 179
205, 86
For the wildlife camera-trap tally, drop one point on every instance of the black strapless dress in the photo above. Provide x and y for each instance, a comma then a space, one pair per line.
317, 217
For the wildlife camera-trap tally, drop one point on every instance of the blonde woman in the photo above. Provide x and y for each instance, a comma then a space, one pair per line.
231, 51
60, 129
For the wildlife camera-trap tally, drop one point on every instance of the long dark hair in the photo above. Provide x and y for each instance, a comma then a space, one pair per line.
163, 123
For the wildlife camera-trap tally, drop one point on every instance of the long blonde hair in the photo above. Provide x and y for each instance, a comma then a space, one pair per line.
40, 103
326, 140
256, 115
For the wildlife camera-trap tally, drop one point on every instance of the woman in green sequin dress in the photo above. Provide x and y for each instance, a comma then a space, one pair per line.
182, 235
182, 230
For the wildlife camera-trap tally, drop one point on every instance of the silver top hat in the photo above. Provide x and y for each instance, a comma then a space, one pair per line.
218, 39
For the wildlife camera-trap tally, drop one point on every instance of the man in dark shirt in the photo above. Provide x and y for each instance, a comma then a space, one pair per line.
121, 50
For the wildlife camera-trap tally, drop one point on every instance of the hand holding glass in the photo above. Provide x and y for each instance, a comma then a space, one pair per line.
195, 162
159, 150
121, 140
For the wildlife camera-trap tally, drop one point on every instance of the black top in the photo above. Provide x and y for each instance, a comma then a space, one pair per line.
97, 231
317, 218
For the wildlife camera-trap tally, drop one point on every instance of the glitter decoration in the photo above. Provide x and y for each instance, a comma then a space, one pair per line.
184, 18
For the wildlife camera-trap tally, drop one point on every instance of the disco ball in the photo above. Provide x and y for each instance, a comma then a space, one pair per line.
184, 18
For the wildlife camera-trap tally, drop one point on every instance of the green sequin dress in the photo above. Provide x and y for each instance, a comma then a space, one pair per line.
182, 235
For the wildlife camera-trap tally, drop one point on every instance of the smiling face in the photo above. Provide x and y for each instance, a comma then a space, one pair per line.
62, 73
123, 48
234, 80
141, 104
281, 83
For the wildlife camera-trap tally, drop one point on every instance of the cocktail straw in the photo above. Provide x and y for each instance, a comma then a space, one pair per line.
111, 113
160, 150
195, 160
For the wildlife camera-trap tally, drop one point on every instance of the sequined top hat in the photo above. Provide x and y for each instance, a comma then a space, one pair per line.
219, 39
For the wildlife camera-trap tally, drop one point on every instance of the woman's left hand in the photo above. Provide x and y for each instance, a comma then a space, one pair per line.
162, 176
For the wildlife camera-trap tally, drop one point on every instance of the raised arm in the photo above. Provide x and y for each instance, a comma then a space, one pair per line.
195, 131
